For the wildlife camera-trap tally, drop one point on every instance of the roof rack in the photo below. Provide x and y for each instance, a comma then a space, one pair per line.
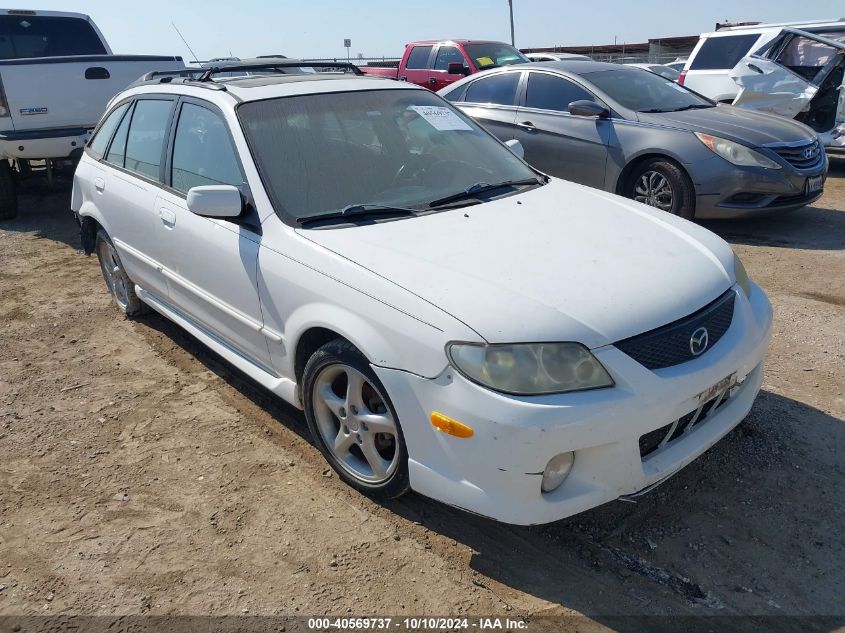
208, 73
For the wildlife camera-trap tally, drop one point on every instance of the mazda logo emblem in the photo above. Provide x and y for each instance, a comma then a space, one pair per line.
698, 341
809, 153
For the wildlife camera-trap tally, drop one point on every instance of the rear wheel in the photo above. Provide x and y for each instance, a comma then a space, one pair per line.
353, 422
661, 183
8, 192
117, 281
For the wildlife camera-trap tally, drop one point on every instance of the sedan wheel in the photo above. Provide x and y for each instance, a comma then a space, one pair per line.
353, 421
663, 184
653, 189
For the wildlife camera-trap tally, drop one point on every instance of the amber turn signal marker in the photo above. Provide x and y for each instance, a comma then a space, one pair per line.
448, 425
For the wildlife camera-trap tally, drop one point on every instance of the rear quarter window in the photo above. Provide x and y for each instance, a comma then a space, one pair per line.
25, 36
723, 53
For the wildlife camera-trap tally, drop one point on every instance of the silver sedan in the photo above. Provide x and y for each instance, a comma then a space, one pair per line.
642, 136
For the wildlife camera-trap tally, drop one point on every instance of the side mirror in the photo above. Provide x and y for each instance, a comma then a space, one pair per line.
585, 107
457, 68
215, 201
516, 147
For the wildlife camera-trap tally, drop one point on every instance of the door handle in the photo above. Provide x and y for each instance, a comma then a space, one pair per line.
97, 72
167, 216
99, 185
528, 126
756, 69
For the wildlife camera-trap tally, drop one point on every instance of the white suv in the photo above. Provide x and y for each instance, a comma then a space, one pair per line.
450, 320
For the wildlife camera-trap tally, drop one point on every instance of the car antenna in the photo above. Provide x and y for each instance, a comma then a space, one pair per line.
173, 24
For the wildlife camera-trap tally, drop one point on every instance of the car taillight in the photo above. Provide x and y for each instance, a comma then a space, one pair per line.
4, 105
682, 77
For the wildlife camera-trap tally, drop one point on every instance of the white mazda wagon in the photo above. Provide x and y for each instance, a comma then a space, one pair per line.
451, 320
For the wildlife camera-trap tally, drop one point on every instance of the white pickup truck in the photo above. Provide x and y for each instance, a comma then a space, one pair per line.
57, 73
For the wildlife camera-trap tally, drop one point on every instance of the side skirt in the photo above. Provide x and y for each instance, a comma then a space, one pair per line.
279, 385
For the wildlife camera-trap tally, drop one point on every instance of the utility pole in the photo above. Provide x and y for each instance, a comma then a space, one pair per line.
510, 4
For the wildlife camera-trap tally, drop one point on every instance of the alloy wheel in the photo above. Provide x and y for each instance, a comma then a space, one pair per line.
355, 424
113, 274
653, 188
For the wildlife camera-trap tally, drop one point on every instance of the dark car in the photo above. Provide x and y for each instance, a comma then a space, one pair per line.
642, 136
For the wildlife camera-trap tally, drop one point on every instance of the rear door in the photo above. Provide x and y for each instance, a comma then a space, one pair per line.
418, 65
785, 75
492, 101
210, 263
556, 142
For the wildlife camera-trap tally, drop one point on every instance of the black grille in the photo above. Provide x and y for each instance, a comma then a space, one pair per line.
804, 156
650, 442
670, 345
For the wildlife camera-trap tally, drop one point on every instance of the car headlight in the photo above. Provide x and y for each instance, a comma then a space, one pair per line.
742, 276
736, 153
530, 368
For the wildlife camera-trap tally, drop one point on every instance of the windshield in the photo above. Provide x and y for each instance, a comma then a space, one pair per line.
321, 153
24, 36
645, 91
493, 54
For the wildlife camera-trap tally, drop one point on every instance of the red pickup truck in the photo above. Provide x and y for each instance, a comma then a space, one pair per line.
436, 64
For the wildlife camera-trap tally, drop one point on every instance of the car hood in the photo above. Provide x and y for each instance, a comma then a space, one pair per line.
558, 263
737, 124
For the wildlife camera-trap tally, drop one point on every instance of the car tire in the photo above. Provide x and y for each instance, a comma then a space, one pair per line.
661, 183
343, 421
8, 192
121, 287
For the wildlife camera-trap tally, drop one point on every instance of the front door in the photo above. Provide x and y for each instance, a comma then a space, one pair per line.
558, 143
784, 77
210, 263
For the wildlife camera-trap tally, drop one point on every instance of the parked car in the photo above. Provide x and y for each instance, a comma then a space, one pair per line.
436, 64
555, 57
659, 69
451, 320
798, 75
639, 135
709, 66
56, 75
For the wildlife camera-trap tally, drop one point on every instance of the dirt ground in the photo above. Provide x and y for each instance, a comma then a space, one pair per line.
139, 474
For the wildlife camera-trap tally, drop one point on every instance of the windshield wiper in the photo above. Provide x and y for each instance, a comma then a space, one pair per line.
694, 106
482, 187
651, 110
358, 211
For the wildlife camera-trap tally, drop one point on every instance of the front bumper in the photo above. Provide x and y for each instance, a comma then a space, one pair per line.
497, 473
727, 191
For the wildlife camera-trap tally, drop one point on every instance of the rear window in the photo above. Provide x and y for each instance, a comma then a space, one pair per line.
418, 59
723, 53
41, 36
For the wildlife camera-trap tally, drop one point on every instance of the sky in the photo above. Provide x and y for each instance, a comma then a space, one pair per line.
246, 28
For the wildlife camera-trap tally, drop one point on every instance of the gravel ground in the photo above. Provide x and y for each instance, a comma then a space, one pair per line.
141, 475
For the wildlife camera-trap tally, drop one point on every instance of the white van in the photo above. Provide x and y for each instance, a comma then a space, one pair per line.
708, 68
794, 70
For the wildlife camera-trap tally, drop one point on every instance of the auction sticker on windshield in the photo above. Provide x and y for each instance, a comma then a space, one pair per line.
441, 118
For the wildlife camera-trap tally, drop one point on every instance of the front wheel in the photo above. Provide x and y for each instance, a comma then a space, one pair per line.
353, 422
663, 184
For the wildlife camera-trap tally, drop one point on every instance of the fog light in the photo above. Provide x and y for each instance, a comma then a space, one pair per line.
557, 470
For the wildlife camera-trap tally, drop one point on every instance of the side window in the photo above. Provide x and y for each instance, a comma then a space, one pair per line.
805, 56
499, 89
448, 55
146, 136
723, 53
418, 59
117, 151
202, 151
101, 139
548, 92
